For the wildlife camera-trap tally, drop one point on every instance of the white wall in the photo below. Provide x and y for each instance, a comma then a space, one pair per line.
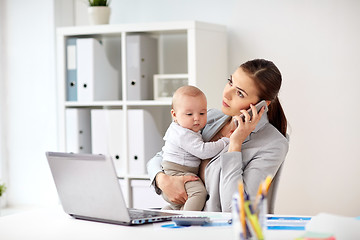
29, 100
314, 43
3, 172
316, 46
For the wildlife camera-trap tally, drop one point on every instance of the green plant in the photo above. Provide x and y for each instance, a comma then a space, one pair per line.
94, 3
2, 189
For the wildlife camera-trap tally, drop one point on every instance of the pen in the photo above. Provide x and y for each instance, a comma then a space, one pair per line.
241, 207
287, 218
251, 230
288, 221
253, 219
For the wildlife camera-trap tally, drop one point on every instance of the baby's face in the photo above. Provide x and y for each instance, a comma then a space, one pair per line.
191, 112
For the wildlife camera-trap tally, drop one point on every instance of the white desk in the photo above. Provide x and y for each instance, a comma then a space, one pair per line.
53, 223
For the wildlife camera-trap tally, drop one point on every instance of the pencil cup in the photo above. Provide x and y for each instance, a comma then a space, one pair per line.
249, 221
237, 227
263, 210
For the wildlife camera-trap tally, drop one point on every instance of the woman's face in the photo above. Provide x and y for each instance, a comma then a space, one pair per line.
239, 93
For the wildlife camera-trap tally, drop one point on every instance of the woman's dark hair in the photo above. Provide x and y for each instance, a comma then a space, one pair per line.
267, 77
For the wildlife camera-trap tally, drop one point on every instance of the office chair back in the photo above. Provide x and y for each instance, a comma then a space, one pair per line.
271, 196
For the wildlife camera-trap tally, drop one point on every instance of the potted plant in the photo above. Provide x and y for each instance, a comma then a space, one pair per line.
99, 12
2, 190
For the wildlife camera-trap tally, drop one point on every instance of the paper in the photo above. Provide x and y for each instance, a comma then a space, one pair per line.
342, 228
316, 236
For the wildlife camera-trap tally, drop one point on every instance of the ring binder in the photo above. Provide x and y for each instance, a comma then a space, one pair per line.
97, 79
141, 66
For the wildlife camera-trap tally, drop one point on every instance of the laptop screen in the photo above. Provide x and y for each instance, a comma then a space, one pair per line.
88, 186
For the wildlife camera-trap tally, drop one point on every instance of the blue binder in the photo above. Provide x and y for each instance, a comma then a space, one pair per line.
71, 70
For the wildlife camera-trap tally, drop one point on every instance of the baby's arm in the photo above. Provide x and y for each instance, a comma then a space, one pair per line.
196, 146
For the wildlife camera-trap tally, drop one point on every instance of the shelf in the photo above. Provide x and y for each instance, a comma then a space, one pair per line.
149, 103
133, 176
117, 103
126, 128
139, 177
94, 104
117, 29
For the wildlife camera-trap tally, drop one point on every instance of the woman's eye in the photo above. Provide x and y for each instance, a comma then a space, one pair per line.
239, 94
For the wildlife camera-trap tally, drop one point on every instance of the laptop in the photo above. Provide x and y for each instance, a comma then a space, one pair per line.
89, 189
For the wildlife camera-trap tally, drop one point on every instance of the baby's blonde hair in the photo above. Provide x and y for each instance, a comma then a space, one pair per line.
187, 90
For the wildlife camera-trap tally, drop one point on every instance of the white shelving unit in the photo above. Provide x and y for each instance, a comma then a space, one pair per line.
194, 48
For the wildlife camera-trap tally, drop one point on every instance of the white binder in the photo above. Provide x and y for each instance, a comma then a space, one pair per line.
144, 140
78, 130
71, 70
97, 79
142, 64
107, 135
141, 190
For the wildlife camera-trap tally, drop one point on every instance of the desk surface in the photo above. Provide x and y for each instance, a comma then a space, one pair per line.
53, 223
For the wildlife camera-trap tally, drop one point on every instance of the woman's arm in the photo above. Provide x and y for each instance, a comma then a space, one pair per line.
172, 186
233, 169
154, 167
270, 152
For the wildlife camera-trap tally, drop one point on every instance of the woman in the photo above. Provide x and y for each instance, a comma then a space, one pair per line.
257, 147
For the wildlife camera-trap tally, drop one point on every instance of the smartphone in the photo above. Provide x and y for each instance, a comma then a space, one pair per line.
258, 107
190, 221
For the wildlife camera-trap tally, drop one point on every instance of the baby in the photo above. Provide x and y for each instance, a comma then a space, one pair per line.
184, 147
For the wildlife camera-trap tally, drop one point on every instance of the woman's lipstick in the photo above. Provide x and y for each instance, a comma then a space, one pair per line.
225, 104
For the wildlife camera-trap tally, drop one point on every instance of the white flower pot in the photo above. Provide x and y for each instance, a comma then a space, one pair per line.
99, 15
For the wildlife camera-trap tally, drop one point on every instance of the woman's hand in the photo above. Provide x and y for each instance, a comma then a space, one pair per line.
244, 128
174, 186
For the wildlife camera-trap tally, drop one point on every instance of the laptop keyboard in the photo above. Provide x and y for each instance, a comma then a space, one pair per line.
136, 214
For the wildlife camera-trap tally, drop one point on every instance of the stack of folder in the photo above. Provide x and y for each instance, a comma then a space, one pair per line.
78, 130
249, 217
143, 140
142, 64
89, 73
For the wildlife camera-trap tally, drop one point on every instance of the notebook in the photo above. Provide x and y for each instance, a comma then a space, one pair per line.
89, 189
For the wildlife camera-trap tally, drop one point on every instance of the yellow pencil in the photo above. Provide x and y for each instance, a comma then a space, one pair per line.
266, 185
241, 207
258, 195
